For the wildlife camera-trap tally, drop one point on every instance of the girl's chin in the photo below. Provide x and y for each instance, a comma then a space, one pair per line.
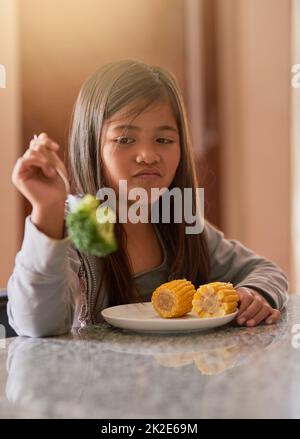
147, 184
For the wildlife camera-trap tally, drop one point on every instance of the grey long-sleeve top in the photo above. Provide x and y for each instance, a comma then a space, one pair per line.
44, 288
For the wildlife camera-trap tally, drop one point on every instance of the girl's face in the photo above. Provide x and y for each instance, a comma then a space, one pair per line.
144, 151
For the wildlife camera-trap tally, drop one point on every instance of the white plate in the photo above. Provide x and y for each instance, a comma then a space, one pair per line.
141, 317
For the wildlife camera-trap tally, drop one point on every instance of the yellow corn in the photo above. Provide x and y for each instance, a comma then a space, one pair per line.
215, 299
208, 362
173, 299
216, 361
174, 360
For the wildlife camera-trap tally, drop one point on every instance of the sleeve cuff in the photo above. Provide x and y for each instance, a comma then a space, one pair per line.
40, 253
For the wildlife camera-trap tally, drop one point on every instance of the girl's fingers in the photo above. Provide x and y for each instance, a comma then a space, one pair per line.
253, 308
264, 312
46, 167
24, 164
246, 298
49, 158
45, 154
45, 157
43, 144
273, 317
250, 312
43, 136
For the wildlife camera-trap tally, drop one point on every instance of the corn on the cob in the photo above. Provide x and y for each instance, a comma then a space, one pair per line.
215, 299
209, 362
174, 360
216, 361
173, 299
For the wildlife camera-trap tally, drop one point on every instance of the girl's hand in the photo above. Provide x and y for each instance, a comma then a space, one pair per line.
254, 308
34, 174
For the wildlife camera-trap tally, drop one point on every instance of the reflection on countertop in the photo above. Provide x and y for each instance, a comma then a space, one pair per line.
106, 372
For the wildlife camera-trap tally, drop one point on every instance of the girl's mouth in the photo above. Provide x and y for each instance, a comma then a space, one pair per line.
147, 176
148, 173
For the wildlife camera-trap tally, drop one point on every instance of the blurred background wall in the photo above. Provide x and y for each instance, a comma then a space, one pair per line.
232, 60
254, 55
295, 155
10, 138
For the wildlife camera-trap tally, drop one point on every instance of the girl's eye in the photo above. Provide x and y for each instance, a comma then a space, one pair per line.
123, 140
165, 141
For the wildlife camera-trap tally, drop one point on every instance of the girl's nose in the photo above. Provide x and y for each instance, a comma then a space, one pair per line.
147, 157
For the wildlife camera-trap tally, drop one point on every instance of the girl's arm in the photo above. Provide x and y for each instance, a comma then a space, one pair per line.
233, 262
44, 284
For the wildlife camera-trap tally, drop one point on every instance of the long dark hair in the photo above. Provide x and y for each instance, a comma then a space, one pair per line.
107, 91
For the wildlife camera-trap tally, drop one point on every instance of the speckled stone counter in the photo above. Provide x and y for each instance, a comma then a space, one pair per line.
105, 372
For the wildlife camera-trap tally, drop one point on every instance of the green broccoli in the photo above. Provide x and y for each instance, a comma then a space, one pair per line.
91, 228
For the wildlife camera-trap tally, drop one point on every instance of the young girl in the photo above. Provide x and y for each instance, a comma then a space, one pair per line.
129, 123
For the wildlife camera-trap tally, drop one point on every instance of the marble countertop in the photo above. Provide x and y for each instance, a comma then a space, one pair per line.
107, 373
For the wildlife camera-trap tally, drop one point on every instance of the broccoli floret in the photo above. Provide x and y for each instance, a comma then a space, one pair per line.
90, 227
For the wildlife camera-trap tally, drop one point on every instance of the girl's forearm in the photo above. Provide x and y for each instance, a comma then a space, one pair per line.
49, 220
